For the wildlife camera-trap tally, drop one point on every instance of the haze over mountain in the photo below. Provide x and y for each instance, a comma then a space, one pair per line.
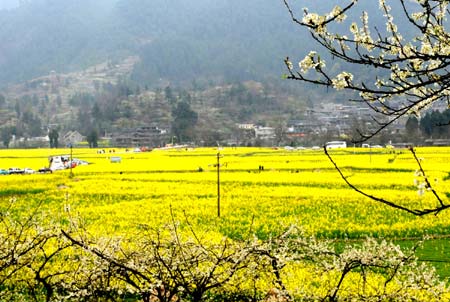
177, 40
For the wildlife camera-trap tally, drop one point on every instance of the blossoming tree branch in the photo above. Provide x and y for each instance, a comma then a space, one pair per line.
406, 75
409, 74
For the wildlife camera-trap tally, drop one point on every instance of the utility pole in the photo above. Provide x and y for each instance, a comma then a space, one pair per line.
218, 183
71, 160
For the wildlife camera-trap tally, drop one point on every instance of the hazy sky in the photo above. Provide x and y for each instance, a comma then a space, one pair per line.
7, 4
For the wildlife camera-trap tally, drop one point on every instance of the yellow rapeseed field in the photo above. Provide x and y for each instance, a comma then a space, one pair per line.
262, 191
295, 187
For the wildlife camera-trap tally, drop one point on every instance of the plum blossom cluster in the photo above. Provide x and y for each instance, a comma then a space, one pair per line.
342, 80
311, 61
420, 183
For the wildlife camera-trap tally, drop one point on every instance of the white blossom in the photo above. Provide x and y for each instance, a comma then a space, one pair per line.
342, 80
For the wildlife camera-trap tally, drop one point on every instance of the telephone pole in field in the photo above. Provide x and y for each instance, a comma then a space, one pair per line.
71, 160
218, 183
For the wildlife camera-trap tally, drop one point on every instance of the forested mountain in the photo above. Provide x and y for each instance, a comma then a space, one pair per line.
233, 40
177, 40
108, 59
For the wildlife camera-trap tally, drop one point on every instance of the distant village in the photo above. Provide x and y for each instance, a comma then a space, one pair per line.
234, 115
329, 121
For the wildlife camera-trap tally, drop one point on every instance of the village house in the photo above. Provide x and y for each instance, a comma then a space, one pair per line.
149, 136
72, 137
264, 133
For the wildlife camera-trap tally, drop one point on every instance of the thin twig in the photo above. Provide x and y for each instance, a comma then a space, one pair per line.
417, 212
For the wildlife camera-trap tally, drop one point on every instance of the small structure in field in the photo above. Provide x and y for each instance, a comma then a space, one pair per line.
116, 159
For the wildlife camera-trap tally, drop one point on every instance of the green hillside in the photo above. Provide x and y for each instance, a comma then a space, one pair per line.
105, 65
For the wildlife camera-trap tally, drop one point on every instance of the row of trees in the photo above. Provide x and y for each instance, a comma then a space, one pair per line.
434, 124
431, 126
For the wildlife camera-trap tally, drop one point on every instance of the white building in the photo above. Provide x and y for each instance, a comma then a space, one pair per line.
264, 133
246, 126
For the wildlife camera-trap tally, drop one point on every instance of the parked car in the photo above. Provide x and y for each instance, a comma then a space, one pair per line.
28, 171
16, 171
45, 170
4, 172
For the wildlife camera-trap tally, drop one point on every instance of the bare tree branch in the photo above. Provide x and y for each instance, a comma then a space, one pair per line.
417, 212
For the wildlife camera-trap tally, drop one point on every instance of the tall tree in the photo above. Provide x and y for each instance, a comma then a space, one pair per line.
168, 93
6, 135
435, 124
53, 136
184, 121
412, 128
92, 138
